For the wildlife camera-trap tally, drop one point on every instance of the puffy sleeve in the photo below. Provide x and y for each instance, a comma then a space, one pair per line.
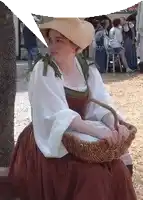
97, 91
51, 115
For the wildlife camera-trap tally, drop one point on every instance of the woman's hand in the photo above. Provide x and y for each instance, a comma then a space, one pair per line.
101, 131
112, 137
123, 132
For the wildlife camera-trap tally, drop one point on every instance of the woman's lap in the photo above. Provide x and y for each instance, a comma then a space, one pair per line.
39, 178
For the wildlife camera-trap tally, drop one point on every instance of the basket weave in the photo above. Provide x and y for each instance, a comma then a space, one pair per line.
99, 151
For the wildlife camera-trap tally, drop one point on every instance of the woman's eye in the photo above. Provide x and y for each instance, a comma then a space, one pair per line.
59, 40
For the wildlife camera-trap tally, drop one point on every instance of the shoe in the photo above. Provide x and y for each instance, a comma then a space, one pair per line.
140, 67
128, 70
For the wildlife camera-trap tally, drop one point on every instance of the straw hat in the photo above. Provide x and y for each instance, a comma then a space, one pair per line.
78, 31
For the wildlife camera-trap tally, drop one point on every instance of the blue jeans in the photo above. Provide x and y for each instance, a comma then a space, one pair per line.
32, 54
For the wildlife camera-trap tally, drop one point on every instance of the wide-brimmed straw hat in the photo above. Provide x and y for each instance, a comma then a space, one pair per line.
78, 31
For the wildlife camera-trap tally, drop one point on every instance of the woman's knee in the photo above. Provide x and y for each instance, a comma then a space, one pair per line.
122, 52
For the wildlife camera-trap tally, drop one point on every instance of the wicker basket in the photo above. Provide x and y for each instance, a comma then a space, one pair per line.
99, 151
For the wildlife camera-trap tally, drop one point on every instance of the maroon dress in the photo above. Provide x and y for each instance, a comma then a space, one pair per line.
38, 178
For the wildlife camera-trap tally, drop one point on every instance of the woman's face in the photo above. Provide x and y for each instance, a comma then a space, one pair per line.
107, 23
123, 21
59, 46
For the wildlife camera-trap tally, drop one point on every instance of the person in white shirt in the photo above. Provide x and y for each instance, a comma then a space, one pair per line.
116, 42
42, 167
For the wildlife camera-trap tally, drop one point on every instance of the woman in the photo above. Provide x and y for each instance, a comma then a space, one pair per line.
129, 44
30, 43
100, 53
41, 168
116, 42
92, 47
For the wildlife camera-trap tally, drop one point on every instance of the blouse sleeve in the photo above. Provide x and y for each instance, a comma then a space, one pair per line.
51, 115
97, 91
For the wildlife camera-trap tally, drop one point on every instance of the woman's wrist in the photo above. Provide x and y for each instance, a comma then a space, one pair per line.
109, 121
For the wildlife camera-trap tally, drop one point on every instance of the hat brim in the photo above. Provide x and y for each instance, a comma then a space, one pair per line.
80, 33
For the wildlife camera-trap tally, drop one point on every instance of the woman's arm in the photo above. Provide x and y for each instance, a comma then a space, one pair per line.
51, 115
84, 127
98, 91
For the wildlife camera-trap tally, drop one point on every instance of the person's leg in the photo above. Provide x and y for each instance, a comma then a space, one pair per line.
134, 58
101, 60
29, 59
124, 61
140, 65
130, 53
141, 49
34, 53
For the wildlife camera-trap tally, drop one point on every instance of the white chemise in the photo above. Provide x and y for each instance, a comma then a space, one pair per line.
51, 115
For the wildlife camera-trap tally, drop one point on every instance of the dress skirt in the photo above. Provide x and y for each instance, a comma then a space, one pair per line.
101, 59
38, 178
130, 53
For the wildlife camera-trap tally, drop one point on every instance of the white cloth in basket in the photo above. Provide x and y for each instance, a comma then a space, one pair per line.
99, 126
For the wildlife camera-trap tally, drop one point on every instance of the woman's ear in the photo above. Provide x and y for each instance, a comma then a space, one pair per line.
78, 50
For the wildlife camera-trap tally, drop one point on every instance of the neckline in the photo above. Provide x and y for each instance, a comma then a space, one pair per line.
83, 86
74, 93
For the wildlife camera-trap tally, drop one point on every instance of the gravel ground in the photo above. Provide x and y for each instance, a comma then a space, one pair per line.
22, 106
127, 91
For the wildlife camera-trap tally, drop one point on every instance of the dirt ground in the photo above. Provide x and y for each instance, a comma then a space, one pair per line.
127, 91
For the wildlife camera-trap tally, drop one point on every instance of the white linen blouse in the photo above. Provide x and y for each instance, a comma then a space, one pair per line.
116, 37
51, 115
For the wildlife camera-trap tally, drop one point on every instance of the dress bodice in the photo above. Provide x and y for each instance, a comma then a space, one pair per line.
77, 101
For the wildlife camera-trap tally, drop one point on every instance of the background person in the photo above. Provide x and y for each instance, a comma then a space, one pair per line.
116, 42
129, 37
100, 53
30, 43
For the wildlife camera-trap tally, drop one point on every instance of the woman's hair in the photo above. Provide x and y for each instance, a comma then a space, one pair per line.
96, 23
47, 35
116, 22
132, 17
104, 22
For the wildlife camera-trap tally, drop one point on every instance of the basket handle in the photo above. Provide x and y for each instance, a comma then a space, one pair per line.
108, 108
